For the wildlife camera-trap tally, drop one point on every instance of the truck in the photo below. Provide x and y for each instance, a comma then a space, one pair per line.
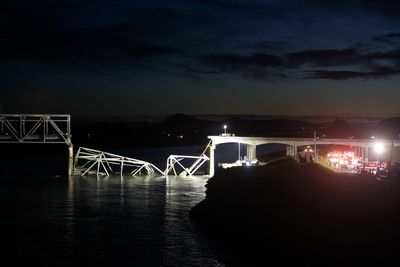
374, 168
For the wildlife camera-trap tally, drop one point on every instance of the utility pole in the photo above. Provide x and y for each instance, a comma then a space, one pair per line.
390, 157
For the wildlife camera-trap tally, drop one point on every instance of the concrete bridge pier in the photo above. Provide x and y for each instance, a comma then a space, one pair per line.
212, 158
251, 152
362, 152
357, 151
291, 150
70, 159
288, 150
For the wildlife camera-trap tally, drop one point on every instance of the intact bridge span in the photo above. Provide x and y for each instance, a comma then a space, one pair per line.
362, 146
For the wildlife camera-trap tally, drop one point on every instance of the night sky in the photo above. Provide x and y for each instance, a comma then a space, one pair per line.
121, 57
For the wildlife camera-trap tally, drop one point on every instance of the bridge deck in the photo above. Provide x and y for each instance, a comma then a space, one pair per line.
294, 141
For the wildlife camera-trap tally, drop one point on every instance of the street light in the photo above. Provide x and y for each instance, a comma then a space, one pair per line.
225, 128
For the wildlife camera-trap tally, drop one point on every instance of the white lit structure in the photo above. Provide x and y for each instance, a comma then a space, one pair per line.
176, 160
91, 161
179, 160
361, 146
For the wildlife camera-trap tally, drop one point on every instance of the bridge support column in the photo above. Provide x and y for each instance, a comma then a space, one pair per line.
291, 151
288, 150
70, 159
356, 152
212, 159
362, 154
251, 152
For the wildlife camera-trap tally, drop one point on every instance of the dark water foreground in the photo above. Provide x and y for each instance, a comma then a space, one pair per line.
302, 215
85, 221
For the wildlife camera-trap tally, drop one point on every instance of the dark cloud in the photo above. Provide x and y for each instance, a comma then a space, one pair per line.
389, 8
390, 38
252, 10
378, 57
329, 57
230, 5
256, 65
268, 46
346, 75
341, 62
48, 40
66, 31
230, 62
389, 56
87, 44
377, 65
196, 70
385, 7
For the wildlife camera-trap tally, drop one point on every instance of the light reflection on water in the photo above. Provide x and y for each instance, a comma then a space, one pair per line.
129, 221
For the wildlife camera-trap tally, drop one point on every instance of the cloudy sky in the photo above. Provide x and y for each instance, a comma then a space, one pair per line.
150, 57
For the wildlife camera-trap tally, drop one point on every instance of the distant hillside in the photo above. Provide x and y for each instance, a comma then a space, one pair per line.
180, 129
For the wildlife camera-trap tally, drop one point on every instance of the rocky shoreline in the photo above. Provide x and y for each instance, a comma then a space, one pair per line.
287, 212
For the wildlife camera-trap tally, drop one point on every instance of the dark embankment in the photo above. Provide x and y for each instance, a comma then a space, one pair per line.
301, 214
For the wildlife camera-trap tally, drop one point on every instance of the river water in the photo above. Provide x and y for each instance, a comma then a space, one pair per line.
106, 221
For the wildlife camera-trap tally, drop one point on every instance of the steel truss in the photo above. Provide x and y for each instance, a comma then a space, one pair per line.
35, 128
174, 160
91, 161
178, 160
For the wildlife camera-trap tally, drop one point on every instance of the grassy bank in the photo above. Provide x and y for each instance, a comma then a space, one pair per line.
302, 214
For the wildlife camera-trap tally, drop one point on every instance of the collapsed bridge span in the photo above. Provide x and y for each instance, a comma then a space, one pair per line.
91, 161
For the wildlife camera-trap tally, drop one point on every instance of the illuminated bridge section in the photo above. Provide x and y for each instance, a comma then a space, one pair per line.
362, 145
35, 128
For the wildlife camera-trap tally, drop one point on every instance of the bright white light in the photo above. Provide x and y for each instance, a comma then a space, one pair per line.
372, 137
225, 126
378, 148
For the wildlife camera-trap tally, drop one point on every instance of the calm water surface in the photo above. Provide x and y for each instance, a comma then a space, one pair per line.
89, 221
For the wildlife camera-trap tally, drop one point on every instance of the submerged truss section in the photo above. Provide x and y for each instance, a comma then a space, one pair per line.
177, 160
94, 162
